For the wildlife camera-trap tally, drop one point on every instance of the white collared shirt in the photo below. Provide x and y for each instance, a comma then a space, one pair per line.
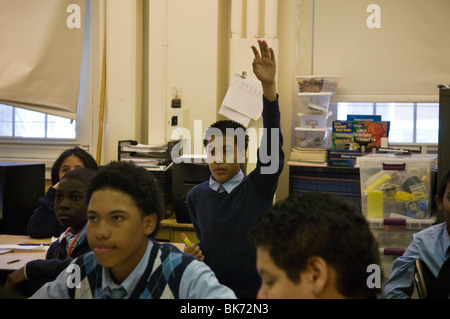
228, 186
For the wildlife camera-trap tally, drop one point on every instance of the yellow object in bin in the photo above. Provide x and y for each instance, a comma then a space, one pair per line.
375, 204
383, 179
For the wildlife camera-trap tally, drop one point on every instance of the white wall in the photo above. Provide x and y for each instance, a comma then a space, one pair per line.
183, 51
187, 44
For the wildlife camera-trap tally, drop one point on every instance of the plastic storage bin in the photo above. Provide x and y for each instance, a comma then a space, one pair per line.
397, 233
316, 83
314, 102
313, 137
397, 186
387, 258
313, 120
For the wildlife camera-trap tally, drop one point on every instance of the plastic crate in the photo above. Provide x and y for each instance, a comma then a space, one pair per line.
314, 103
397, 233
387, 258
313, 120
316, 83
397, 186
313, 137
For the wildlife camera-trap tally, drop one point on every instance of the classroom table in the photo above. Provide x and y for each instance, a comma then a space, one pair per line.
23, 256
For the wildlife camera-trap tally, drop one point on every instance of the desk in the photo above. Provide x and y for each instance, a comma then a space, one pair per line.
171, 231
28, 255
24, 255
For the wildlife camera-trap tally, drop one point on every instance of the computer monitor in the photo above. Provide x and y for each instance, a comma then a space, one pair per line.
21, 186
192, 170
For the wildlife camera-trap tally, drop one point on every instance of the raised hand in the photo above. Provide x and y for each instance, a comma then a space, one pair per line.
264, 67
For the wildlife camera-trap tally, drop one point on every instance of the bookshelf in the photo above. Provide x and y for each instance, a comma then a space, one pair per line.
343, 182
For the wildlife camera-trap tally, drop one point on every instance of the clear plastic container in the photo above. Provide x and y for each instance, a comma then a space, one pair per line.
314, 103
317, 83
313, 137
313, 120
397, 186
397, 233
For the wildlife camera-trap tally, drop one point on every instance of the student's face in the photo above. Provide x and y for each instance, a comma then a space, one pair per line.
444, 205
275, 284
117, 231
226, 165
70, 207
70, 163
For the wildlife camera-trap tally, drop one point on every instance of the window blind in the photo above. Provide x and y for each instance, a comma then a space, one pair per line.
383, 50
40, 54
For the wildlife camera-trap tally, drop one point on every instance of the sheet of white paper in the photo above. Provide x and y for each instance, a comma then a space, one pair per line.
4, 251
244, 96
24, 247
22, 260
233, 115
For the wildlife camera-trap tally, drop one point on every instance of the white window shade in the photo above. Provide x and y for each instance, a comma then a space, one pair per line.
402, 61
40, 54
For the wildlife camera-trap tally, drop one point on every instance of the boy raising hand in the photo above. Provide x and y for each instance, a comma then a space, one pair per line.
225, 208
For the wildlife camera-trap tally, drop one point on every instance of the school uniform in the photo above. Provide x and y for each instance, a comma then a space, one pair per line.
59, 255
223, 215
432, 246
164, 272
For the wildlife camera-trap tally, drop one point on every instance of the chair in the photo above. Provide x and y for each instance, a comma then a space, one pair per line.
419, 279
430, 287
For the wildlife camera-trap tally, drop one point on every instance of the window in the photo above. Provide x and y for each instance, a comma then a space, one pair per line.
22, 123
409, 122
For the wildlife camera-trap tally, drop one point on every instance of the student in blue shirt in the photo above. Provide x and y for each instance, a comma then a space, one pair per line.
431, 245
124, 214
224, 209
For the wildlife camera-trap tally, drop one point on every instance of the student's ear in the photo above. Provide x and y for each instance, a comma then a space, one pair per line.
438, 201
149, 223
318, 275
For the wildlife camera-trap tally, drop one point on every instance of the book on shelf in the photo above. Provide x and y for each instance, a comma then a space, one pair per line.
348, 134
304, 163
313, 155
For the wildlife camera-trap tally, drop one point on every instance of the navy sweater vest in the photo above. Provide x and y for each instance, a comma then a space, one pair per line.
168, 265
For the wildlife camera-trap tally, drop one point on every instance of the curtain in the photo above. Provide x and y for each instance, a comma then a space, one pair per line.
383, 50
41, 45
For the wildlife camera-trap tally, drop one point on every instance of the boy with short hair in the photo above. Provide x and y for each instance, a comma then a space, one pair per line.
431, 246
124, 214
225, 208
70, 209
314, 246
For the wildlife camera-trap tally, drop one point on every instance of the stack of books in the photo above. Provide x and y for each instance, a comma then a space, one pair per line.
309, 156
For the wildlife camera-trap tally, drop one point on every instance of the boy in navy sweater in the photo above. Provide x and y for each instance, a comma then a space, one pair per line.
225, 208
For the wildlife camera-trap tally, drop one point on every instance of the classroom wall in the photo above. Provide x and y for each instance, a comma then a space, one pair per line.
186, 44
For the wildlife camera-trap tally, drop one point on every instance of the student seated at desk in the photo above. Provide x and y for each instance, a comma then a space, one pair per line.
43, 223
70, 210
314, 246
430, 246
124, 214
